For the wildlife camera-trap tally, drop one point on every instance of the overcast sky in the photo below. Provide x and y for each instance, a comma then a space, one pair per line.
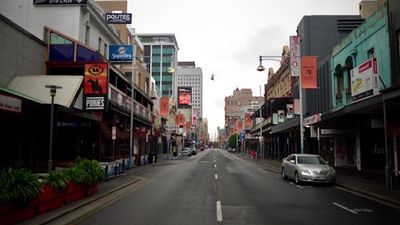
225, 38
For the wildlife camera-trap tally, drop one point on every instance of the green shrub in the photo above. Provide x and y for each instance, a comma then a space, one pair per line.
86, 171
18, 186
57, 180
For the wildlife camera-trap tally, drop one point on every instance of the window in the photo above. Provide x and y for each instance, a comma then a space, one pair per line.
87, 34
371, 53
339, 82
99, 44
105, 50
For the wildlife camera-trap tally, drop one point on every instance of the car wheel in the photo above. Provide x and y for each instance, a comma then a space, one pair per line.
283, 174
296, 178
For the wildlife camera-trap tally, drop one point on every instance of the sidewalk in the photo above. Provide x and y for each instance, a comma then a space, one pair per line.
366, 185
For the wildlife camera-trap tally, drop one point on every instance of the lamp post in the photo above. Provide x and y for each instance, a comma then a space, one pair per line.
261, 68
53, 91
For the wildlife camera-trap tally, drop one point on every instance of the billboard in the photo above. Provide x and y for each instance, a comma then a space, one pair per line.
95, 86
120, 53
119, 18
364, 80
184, 97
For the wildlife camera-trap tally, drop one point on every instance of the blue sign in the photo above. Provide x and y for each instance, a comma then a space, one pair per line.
120, 53
242, 136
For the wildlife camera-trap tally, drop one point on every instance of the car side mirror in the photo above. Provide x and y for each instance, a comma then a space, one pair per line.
292, 161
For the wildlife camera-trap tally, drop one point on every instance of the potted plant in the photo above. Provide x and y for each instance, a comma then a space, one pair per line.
53, 191
75, 183
19, 189
94, 174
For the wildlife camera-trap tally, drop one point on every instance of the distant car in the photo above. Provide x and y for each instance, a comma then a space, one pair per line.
186, 152
307, 168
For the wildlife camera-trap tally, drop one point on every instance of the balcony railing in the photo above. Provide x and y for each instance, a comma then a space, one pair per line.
124, 101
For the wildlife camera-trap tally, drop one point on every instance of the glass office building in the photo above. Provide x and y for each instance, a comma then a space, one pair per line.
160, 57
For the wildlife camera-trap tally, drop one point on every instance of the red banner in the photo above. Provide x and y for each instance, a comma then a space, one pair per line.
164, 106
247, 119
180, 119
309, 72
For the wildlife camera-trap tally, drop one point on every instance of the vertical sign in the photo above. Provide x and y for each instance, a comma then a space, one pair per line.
364, 80
95, 86
294, 56
308, 72
247, 121
164, 106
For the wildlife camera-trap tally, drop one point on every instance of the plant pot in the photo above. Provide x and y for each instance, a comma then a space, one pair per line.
50, 199
91, 189
74, 192
13, 213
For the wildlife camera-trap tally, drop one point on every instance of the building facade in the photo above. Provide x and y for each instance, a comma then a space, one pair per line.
161, 58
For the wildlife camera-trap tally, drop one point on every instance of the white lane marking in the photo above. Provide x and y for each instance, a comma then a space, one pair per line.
219, 211
216, 176
215, 165
345, 208
299, 186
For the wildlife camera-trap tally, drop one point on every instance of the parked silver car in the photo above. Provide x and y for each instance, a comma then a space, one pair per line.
307, 168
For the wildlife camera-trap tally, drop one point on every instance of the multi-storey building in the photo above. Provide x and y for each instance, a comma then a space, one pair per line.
233, 108
73, 46
188, 75
161, 57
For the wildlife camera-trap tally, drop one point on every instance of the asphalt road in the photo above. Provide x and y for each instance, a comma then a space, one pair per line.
216, 187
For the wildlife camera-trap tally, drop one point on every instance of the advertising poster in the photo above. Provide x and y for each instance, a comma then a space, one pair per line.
281, 116
247, 121
289, 111
364, 80
181, 120
184, 97
95, 86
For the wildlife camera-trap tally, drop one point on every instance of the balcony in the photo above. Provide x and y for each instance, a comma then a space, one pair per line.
121, 99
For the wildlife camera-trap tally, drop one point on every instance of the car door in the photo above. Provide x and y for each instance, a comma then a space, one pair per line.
289, 166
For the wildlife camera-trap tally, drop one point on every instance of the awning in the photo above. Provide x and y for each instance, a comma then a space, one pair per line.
33, 86
286, 126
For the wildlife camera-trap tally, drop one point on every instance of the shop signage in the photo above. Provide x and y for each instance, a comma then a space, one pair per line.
312, 119
120, 53
59, 2
97, 103
294, 56
11, 104
364, 80
119, 18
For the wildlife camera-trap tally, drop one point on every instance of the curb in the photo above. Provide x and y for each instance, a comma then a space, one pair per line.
71, 208
366, 194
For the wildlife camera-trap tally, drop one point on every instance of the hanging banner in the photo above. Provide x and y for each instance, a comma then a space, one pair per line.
294, 56
247, 121
164, 106
240, 125
308, 72
180, 119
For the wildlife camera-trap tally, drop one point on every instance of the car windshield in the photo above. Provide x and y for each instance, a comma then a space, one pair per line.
316, 160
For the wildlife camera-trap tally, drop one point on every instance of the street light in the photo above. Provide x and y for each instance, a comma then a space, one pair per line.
53, 91
261, 68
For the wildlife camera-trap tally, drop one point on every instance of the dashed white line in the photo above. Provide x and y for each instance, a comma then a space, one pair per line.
219, 211
216, 176
345, 208
215, 165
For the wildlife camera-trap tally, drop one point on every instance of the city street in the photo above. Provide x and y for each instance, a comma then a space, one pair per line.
216, 187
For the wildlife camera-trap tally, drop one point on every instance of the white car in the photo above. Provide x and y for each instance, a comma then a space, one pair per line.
307, 168
186, 152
